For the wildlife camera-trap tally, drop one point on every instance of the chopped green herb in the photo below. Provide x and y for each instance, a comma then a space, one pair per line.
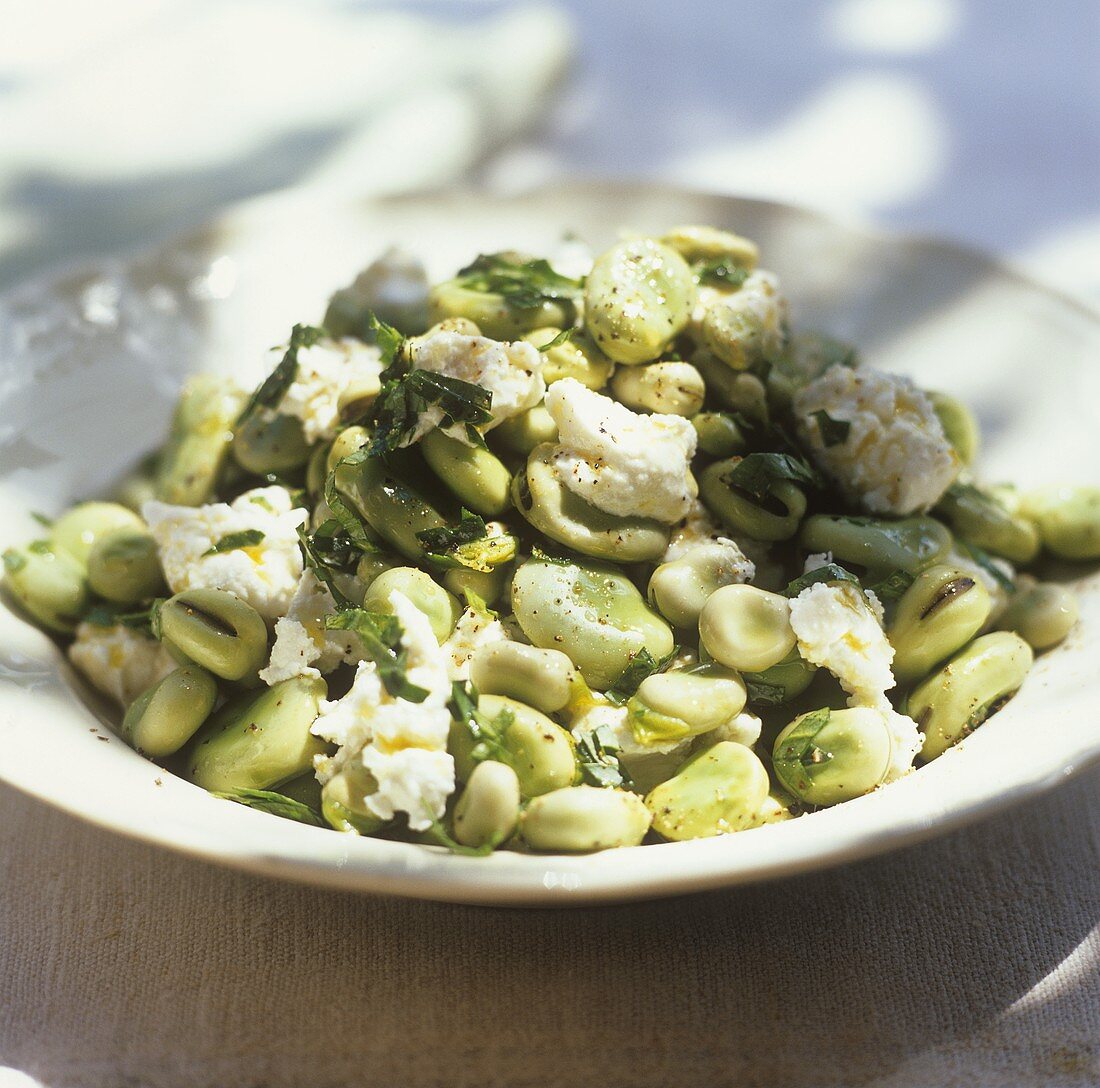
893, 585
276, 804
42, 519
397, 410
834, 432
381, 638
757, 473
468, 544
801, 745
598, 755
721, 272
830, 572
759, 691
642, 664
273, 388
353, 525
987, 563
563, 337
487, 733
524, 285
104, 615
231, 542
389, 340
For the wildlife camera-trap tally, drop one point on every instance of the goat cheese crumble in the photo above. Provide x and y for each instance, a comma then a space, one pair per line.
265, 575
895, 458
402, 744
624, 463
473, 630
120, 661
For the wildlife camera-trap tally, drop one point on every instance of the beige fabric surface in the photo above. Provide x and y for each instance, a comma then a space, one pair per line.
971, 960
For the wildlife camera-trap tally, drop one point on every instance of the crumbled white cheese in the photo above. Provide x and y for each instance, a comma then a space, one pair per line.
265, 575
745, 326
119, 661
326, 371
403, 744
896, 458
510, 371
837, 628
906, 741
744, 728
816, 560
473, 630
627, 464
303, 645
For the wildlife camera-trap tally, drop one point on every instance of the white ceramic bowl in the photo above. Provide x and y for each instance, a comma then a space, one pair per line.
90, 364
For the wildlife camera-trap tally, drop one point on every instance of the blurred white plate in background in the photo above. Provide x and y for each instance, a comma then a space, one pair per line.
90, 364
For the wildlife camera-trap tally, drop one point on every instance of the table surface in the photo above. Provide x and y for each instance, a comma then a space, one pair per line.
971, 960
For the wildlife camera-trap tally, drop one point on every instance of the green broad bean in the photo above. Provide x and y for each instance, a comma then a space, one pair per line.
737, 390
489, 585
590, 612
672, 705
49, 585
679, 589
775, 809
1041, 613
1067, 518
774, 517
78, 529
828, 756
522, 434
357, 397
267, 442
983, 520
561, 514
477, 477
124, 567
344, 445
952, 702
719, 434
493, 314
166, 716
137, 487
317, 470
487, 812
805, 357
743, 627
780, 683
717, 791
580, 819
544, 679
305, 789
426, 594
217, 630
637, 298
259, 740
711, 244
539, 750
877, 546
394, 509
578, 357
199, 441
672, 388
343, 802
372, 564
959, 425
937, 615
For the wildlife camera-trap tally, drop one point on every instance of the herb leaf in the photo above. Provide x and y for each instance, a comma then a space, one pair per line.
893, 585
524, 285
487, 733
986, 562
598, 755
389, 340
468, 544
277, 804
272, 389
103, 615
757, 473
721, 272
760, 691
800, 757
350, 521
381, 638
830, 572
398, 408
834, 432
246, 538
563, 337
641, 665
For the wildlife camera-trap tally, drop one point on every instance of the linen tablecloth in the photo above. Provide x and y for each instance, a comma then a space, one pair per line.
972, 960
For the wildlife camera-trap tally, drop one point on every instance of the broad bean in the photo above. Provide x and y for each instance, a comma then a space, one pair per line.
743, 627
216, 630
544, 679
477, 477
426, 594
48, 584
877, 546
672, 388
679, 589
776, 516
124, 567
487, 812
1067, 518
166, 716
1042, 614
580, 819
578, 357
981, 519
78, 529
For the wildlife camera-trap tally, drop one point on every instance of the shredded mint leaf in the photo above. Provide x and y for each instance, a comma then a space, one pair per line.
273, 388
276, 804
721, 272
381, 638
642, 664
402, 401
389, 340
468, 544
315, 560
761, 692
524, 285
40, 547
42, 519
834, 432
598, 755
985, 561
104, 615
563, 337
246, 538
830, 572
893, 585
487, 733
801, 756
349, 518
757, 473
